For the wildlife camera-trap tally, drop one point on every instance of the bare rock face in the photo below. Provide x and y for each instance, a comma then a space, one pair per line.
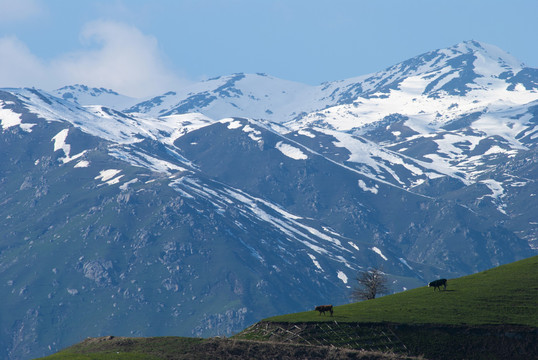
98, 271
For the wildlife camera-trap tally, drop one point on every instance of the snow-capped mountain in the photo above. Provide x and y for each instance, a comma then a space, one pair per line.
204, 209
436, 88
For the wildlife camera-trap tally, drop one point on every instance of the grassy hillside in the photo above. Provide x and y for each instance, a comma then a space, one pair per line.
507, 294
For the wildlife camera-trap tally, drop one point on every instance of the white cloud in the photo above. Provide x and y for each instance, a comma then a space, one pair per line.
113, 55
125, 60
18, 66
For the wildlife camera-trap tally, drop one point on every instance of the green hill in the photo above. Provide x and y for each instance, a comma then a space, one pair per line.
488, 315
506, 294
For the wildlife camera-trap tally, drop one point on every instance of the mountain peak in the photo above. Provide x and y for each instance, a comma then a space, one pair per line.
482, 58
487, 51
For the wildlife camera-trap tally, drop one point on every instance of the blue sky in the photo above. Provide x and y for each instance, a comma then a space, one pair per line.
142, 48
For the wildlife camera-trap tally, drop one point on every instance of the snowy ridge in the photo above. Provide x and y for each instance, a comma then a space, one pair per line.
256, 96
478, 71
431, 87
107, 123
84, 95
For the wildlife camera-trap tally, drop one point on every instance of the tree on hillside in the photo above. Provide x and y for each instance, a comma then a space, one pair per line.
369, 284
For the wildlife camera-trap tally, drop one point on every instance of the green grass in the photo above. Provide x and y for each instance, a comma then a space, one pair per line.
507, 294
127, 348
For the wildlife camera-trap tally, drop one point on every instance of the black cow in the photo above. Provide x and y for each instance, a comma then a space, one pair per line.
437, 284
324, 308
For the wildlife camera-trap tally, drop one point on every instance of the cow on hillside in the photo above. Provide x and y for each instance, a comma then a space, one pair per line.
437, 284
324, 308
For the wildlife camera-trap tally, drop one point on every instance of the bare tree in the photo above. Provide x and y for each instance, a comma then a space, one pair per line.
369, 284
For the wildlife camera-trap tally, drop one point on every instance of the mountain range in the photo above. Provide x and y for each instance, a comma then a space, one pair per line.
202, 210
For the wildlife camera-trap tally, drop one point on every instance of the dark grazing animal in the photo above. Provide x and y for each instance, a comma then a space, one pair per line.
437, 284
324, 308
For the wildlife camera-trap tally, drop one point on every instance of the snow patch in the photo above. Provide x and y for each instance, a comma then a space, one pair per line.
306, 133
82, 164
233, 124
125, 186
497, 193
252, 133
376, 250
329, 230
114, 180
291, 151
405, 263
8, 117
313, 258
364, 187
495, 187
342, 277
27, 127
106, 175
496, 150
139, 158
60, 144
